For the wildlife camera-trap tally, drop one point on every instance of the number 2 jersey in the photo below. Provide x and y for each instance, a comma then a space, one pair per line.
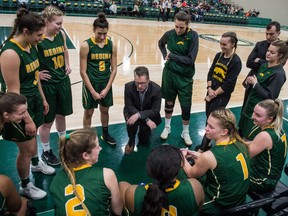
91, 187
99, 60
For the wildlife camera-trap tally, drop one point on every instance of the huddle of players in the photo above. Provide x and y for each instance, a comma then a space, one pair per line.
98, 68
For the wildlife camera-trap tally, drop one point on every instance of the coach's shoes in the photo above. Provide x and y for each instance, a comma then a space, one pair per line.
50, 158
42, 167
165, 133
108, 139
186, 137
32, 192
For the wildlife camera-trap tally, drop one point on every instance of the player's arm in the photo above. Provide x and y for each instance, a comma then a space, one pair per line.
113, 67
162, 44
44, 101
198, 192
261, 142
202, 164
66, 55
191, 56
111, 183
84, 50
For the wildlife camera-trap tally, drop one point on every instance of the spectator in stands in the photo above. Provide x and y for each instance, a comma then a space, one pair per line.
59, 4
106, 7
162, 9
23, 4
267, 146
177, 7
113, 8
169, 7
135, 11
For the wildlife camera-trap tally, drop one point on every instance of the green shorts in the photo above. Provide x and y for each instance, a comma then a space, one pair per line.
174, 84
89, 103
15, 132
35, 109
59, 98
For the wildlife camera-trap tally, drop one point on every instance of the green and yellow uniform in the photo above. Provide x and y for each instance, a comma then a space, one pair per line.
98, 72
177, 78
266, 167
28, 77
181, 199
227, 185
57, 90
89, 183
270, 82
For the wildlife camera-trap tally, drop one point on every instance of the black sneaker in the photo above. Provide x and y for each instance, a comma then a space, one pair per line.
108, 139
50, 158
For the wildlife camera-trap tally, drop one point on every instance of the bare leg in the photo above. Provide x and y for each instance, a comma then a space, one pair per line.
87, 118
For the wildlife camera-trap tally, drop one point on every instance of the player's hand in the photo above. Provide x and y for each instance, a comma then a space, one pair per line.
44, 75
68, 70
103, 93
45, 107
96, 96
133, 119
151, 124
30, 128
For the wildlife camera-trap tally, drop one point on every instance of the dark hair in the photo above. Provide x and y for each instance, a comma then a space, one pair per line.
163, 165
182, 16
232, 36
274, 23
26, 19
72, 147
282, 48
142, 71
9, 103
101, 21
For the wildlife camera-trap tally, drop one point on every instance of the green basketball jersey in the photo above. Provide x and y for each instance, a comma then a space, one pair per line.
228, 183
181, 199
266, 167
89, 183
51, 57
99, 60
29, 67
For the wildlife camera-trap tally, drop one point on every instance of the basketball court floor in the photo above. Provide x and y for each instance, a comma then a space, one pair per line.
137, 44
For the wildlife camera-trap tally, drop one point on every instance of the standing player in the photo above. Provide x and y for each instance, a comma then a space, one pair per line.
222, 77
53, 57
98, 68
177, 79
20, 70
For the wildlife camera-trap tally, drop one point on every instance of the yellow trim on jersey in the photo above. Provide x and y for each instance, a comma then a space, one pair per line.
226, 143
13, 41
84, 166
176, 184
94, 41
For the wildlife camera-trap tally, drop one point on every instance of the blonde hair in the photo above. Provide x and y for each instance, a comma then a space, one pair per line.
227, 121
274, 109
49, 12
72, 147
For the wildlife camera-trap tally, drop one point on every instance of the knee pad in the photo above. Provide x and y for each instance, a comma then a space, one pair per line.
186, 112
169, 108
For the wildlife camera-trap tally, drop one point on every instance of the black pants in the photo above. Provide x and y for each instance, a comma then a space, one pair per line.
219, 101
144, 133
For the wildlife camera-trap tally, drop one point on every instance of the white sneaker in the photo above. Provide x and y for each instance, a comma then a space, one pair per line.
187, 140
43, 167
165, 133
32, 192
